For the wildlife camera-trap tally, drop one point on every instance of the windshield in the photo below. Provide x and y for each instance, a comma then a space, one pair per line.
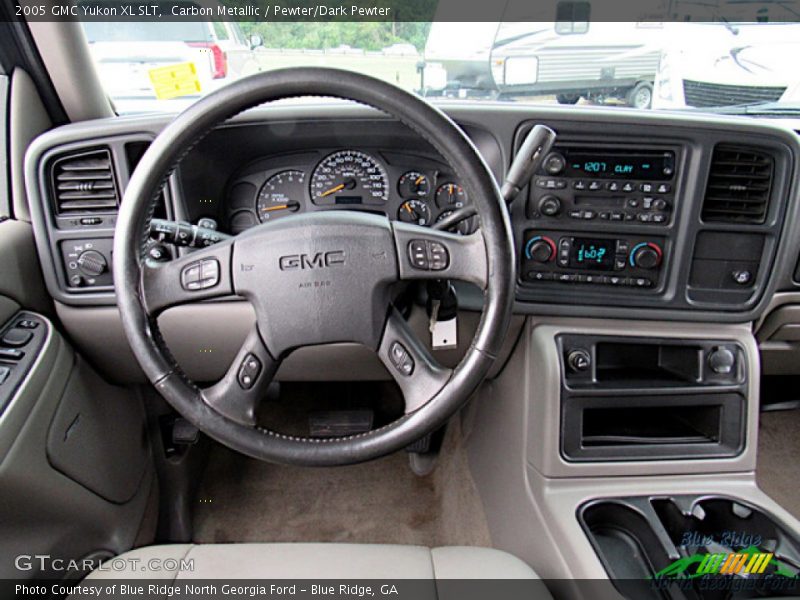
741, 62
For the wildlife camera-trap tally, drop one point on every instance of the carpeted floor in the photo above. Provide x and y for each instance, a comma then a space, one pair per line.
244, 500
778, 471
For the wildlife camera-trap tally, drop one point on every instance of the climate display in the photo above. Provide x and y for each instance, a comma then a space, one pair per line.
589, 253
649, 166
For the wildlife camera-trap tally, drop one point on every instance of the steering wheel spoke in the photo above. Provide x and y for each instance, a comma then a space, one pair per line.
197, 276
425, 253
418, 374
238, 394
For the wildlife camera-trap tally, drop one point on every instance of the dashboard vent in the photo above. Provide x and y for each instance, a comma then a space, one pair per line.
739, 185
85, 183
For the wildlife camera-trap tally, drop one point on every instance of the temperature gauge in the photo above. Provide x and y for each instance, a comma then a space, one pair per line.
450, 196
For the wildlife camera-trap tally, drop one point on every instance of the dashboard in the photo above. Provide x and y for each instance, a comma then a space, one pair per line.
632, 215
403, 186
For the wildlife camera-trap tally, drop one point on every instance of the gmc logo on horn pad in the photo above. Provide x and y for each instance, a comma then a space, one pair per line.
319, 260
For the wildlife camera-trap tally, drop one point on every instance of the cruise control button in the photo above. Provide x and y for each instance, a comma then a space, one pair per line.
438, 256
249, 371
401, 359
209, 273
190, 276
418, 255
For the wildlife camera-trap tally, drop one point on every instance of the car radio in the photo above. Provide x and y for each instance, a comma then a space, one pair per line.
615, 185
633, 261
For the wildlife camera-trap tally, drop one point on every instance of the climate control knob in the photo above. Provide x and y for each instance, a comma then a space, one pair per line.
646, 256
540, 249
550, 206
92, 263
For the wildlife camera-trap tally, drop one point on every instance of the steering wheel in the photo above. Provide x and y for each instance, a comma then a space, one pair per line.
314, 278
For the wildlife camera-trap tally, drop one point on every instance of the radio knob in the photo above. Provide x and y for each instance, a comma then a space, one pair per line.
92, 263
554, 163
550, 206
646, 256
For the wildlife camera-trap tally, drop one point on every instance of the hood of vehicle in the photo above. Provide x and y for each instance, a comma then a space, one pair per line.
741, 60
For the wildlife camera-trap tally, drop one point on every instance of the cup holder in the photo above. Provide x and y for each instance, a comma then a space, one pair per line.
692, 547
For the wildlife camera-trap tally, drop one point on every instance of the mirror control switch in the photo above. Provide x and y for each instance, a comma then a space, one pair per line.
16, 337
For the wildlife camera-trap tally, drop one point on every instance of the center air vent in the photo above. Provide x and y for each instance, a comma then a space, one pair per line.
85, 183
739, 185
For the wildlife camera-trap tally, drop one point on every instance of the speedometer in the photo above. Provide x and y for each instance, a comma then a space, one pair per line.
349, 177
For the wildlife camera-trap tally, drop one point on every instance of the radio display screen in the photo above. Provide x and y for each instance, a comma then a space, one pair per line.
600, 164
589, 253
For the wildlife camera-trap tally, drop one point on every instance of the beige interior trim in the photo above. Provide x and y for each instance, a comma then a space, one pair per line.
27, 119
66, 56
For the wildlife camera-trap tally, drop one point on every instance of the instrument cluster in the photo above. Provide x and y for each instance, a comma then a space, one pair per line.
410, 188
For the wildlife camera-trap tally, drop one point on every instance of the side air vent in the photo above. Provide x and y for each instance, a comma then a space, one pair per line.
85, 183
739, 185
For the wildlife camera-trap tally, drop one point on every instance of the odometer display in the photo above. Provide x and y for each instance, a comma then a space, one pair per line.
349, 177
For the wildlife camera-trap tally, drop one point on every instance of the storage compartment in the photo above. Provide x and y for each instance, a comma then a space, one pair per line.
648, 364
692, 547
636, 427
633, 398
655, 425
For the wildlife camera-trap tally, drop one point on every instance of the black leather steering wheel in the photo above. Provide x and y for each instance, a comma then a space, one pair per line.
314, 278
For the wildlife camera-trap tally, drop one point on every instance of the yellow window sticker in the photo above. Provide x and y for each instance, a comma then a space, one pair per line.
175, 80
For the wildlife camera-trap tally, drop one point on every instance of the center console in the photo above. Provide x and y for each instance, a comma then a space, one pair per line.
629, 398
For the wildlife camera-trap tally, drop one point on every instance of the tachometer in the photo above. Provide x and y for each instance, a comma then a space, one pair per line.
349, 177
280, 195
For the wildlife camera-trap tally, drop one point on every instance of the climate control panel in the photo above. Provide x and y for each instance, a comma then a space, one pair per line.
596, 259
